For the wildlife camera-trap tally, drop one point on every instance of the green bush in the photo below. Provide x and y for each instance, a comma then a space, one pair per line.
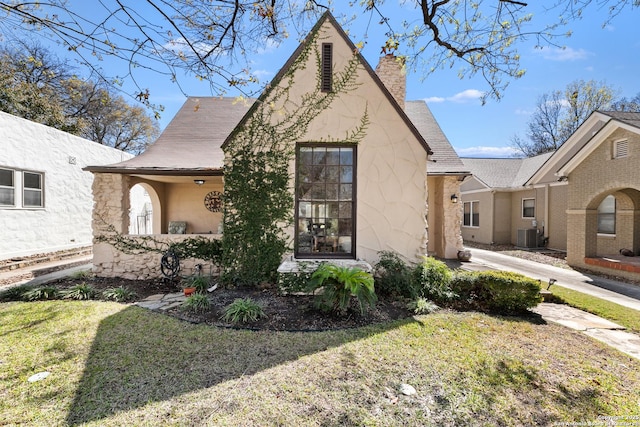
422, 306
79, 292
497, 291
338, 285
119, 294
15, 293
243, 310
196, 303
432, 280
393, 276
45, 292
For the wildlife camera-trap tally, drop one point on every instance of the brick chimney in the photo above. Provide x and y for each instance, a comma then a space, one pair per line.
393, 76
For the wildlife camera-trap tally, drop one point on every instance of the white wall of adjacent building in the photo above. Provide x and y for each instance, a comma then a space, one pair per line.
30, 152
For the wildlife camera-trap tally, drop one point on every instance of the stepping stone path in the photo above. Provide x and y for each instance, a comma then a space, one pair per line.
162, 302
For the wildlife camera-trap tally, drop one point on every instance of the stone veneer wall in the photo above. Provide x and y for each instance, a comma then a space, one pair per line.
111, 194
109, 262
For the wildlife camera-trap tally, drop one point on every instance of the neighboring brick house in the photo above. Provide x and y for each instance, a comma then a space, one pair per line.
584, 198
45, 196
395, 187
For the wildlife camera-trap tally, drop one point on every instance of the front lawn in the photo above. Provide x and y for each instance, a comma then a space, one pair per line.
113, 364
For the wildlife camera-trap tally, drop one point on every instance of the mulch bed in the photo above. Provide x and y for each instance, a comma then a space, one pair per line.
284, 312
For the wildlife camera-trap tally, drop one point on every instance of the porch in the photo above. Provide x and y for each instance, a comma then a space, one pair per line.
621, 265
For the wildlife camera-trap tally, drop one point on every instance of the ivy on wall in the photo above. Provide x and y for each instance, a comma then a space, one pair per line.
192, 247
258, 200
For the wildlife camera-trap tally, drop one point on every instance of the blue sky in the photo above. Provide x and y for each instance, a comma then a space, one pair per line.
610, 54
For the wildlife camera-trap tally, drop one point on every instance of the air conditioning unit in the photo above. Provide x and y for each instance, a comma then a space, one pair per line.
527, 238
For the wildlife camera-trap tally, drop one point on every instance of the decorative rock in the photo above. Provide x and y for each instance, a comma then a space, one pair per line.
407, 390
38, 377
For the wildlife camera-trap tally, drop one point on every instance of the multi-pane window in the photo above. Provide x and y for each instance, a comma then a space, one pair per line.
471, 214
325, 198
528, 208
7, 188
607, 216
32, 190
21, 189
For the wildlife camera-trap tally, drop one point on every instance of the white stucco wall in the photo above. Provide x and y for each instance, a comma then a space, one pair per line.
65, 220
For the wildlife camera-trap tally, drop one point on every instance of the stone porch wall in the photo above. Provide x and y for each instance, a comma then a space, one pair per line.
109, 262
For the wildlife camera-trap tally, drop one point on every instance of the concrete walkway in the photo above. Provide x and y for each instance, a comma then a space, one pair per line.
614, 291
44, 272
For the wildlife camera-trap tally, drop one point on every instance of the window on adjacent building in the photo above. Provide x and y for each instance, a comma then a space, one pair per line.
607, 216
325, 201
471, 214
528, 208
620, 148
32, 190
327, 67
7, 188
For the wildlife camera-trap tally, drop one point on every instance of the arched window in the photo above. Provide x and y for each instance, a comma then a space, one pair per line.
607, 216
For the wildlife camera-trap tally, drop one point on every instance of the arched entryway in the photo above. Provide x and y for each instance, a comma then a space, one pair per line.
145, 212
613, 223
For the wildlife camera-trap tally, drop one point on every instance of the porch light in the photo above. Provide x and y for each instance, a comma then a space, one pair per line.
454, 198
198, 181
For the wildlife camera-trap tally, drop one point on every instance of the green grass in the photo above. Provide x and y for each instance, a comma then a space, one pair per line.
114, 365
624, 316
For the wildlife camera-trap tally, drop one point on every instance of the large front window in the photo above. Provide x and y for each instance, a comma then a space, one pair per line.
325, 201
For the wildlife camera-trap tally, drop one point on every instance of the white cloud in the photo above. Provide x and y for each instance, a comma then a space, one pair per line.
262, 73
434, 99
460, 97
482, 151
564, 54
269, 46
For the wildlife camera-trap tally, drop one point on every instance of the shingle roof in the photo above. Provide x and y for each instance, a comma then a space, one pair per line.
446, 159
192, 140
505, 173
627, 117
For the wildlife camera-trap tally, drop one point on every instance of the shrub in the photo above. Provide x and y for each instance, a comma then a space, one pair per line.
41, 293
79, 292
119, 294
393, 276
201, 283
497, 291
243, 310
432, 279
422, 306
81, 274
196, 303
339, 284
15, 293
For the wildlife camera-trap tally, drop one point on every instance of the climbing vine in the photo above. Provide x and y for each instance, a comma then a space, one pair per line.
193, 247
258, 200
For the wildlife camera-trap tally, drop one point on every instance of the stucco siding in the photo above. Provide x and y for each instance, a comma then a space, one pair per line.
185, 202
502, 218
557, 223
65, 220
482, 233
391, 162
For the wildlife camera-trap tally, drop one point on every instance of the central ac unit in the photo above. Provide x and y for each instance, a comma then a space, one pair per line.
527, 238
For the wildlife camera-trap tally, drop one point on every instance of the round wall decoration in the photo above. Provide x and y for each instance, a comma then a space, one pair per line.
213, 202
